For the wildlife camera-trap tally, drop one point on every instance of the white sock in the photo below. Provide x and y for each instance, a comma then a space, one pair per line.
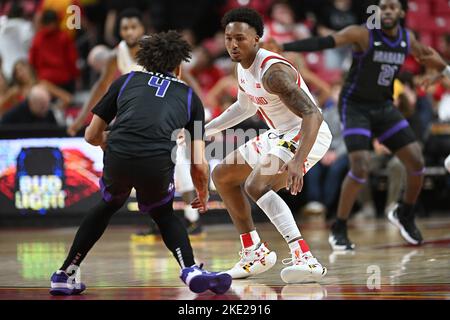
250, 240
279, 213
190, 213
299, 245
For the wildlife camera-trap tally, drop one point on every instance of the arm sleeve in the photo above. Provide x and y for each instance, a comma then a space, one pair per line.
242, 109
106, 108
196, 124
311, 44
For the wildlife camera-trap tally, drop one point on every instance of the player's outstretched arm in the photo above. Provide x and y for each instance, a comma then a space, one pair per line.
352, 35
98, 90
242, 109
200, 175
280, 79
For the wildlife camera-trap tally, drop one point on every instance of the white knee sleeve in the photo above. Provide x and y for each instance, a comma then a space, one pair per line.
279, 213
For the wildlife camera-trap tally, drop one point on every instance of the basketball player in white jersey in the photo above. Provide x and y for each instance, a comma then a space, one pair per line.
122, 60
298, 138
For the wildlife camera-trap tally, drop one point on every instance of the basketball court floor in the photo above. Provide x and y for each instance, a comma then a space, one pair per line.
382, 267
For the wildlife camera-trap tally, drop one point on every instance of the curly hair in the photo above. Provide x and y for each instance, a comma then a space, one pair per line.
247, 15
163, 52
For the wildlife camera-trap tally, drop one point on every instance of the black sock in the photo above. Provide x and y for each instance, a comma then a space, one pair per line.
406, 210
90, 230
174, 234
340, 224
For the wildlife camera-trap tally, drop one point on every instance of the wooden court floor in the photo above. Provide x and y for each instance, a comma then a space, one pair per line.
382, 267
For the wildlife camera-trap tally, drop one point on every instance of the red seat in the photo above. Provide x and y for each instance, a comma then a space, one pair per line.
426, 38
441, 7
413, 20
441, 24
419, 7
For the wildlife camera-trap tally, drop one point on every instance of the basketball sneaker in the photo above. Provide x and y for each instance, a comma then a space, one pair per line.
63, 285
199, 280
339, 240
406, 224
253, 262
304, 268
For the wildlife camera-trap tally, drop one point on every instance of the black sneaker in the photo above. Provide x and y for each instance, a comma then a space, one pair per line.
339, 240
406, 224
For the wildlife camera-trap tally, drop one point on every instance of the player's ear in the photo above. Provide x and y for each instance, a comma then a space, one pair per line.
177, 71
402, 11
256, 39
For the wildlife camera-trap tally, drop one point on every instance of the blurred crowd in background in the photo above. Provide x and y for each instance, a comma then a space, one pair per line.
47, 70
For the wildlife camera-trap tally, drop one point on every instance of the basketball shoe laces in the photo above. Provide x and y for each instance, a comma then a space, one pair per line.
300, 258
250, 255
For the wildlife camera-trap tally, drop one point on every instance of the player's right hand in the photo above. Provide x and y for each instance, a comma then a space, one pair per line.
201, 202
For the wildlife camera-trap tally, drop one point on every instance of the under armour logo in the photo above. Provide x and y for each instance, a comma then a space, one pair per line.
403, 44
258, 85
377, 43
242, 81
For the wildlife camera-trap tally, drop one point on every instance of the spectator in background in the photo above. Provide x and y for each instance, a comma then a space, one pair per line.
204, 70
15, 38
217, 98
60, 8
333, 17
262, 6
22, 81
441, 96
115, 7
34, 110
282, 26
53, 54
29, 7
97, 60
323, 181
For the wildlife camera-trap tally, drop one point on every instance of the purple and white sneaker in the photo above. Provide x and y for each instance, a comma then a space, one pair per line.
63, 285
199, 280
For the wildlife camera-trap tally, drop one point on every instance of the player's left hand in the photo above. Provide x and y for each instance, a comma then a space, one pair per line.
294, 181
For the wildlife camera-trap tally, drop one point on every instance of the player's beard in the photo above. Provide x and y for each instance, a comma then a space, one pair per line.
390, 26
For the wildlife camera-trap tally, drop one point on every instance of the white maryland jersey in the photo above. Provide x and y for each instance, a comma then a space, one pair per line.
276, 114
125, 62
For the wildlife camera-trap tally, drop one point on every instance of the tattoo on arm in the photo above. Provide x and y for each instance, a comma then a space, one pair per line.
281, 81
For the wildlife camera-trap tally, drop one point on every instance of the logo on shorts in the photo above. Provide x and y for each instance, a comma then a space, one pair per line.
287, 145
